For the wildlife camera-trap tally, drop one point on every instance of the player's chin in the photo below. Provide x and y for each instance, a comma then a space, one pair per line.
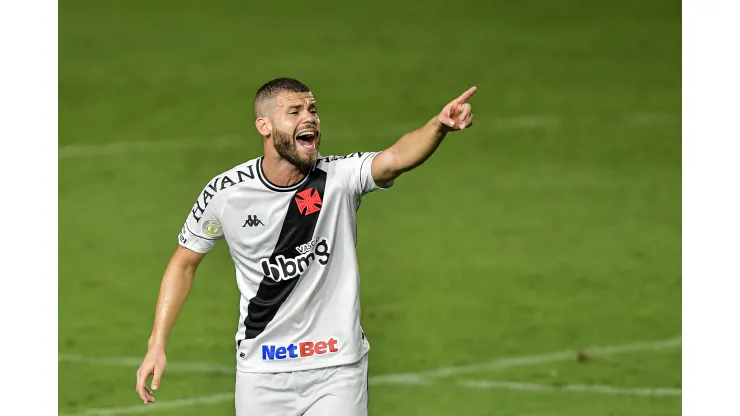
307, 155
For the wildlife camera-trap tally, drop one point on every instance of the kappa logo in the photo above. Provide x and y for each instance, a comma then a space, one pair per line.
252, 221
308, 201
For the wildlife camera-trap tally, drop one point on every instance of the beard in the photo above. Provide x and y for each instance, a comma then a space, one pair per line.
286, 148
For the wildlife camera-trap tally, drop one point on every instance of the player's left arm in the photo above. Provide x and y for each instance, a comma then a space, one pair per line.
415, 147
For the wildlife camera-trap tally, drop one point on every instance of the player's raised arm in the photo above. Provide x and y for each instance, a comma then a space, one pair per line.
415, 147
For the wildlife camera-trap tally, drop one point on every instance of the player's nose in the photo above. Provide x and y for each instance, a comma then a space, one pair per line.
311, 120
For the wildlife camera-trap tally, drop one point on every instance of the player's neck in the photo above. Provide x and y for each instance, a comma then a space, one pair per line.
280, 172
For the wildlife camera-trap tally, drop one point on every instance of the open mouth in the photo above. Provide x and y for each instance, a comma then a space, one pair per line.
307, 139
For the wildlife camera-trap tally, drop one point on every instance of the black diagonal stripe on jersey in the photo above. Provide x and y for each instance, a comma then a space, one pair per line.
297, 229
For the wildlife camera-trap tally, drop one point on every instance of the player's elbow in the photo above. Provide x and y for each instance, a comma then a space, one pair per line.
387, 166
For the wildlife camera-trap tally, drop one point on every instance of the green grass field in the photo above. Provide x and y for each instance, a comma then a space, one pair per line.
554, 224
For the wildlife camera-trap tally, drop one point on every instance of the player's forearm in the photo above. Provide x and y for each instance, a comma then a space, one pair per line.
415, 147
173, 291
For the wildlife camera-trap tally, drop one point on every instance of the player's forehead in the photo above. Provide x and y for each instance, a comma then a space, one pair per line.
289, 99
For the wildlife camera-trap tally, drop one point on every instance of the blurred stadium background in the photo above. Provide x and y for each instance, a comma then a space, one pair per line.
553, 225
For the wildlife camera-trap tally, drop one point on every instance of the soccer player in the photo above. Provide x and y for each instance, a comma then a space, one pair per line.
289, 220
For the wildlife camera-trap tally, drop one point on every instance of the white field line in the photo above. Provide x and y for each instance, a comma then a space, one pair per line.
142, 408
152, 146
509, 362
579, 388
475, 384
134, 362
404, 378
496, 124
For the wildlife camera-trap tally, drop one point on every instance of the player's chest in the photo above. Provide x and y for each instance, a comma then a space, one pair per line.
256, 223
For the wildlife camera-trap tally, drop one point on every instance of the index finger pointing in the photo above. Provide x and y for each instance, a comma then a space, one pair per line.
467, 94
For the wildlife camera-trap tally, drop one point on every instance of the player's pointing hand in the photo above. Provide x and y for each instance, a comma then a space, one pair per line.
458, 114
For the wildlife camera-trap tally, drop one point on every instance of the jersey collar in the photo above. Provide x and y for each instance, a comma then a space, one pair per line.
277, 188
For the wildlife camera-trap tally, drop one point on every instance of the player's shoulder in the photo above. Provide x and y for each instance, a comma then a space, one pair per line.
334, 162
235, 177
242, 171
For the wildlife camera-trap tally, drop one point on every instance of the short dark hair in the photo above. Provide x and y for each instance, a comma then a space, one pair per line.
271, 88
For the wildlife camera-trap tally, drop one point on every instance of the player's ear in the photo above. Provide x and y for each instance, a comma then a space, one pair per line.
264, 126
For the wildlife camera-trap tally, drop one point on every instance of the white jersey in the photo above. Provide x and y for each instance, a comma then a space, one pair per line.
296, 266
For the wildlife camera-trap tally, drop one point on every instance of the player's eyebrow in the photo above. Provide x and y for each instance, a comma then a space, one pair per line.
298, 106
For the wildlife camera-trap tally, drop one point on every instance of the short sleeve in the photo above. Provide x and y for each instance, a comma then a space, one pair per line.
361, 176
202, 228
